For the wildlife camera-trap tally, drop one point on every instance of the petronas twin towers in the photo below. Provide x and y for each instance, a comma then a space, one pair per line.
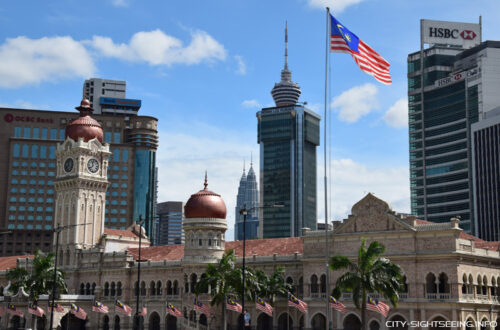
248, 198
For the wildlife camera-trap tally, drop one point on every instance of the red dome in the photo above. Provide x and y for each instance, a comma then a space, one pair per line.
84, 126
205, 204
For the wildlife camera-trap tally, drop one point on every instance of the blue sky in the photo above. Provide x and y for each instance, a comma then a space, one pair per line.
204, 68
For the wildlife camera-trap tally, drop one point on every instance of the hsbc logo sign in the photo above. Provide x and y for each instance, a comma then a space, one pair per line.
451, 33
465, 35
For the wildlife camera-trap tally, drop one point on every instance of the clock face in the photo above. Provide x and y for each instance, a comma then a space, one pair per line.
68, 165
93, 165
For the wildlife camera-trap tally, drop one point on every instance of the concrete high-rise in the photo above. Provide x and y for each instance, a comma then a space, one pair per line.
248, 198
451, 85
170, 218
109, 97
288, 135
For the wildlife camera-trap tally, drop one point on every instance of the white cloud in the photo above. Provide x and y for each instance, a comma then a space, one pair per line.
242, 67
22, 104
25, 61
182, 159
157, 48
120, 3
397, 115
251, 104
356, 102
336, 6
352, 180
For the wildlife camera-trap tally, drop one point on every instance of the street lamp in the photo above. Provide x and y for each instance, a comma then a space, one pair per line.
57, 230
137, 322
244, 211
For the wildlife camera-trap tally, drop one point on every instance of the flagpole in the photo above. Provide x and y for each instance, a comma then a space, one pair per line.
327, 50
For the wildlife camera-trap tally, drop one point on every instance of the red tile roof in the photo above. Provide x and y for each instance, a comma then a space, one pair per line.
11, 262
259, 247
479, 243
424, 222
119, 232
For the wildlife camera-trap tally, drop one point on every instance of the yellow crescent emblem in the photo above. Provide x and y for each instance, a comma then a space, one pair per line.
345, 35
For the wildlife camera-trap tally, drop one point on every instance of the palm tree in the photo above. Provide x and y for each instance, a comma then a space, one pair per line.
39, 279
272, 286
371, 274
220, 279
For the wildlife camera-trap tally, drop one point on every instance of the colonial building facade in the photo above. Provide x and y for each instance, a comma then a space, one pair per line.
449, 275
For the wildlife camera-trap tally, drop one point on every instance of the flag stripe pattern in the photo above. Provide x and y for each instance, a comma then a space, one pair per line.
12, 310
233, 305
337, 305
297, 303
34, 309
78, 312
144, 311
201, 307
261, 305
377, 306
56, 307
369, 61
99, 307
122, 308
173, 311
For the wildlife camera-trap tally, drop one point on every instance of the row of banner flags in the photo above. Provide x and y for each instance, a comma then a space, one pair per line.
97, 306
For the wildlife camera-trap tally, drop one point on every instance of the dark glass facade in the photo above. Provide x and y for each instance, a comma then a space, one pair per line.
288, 137
170, 216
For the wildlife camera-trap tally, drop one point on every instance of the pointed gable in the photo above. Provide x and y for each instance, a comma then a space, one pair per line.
372, 214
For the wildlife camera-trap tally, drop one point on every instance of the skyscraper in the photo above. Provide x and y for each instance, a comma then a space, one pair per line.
288, 135
451, 85
248, 197
109, 97
170, 217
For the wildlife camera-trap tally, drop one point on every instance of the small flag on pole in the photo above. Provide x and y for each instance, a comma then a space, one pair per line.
201, 307
173, 311
122, 308
337, 305
377, 306
297, 303
34, 309
261, 305
99, 307
144, 311
78, 312
56, 307
233, 305
12, 310
369, 61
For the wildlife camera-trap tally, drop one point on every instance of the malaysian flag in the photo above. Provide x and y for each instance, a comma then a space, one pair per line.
78, 312
369, 61
173, 311
122, 308
99, 307
297, 303
56, 307
11, 309
377, 306
201, 307
337, 305
233, 305
261, 305
144, 311
34, 309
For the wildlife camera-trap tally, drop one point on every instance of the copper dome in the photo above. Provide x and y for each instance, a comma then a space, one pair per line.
205, 204
84, 126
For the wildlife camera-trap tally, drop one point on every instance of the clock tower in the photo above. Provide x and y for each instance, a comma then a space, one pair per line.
81, 184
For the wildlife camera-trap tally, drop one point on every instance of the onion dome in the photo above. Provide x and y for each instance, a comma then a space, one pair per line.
205, 204
84, 126
286, 92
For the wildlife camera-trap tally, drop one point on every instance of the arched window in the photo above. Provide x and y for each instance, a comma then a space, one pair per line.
82, 288
143, 288
404, 281
87, 289
314, 285
176, 288
464, 284
289, 280
479, 284
93, 288
301, 286
119, 289
322, 281
485, 286
203, 276
169, 288
470, 287
136, 289
194, 278
444, 286
113, 289
152, 288
493, 287
106, 289
430, 283
158, 288
186, 284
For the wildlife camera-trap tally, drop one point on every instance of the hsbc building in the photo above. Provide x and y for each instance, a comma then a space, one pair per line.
453, 82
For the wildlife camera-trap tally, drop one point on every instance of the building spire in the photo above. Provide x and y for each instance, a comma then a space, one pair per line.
206, 181
286, 45
251, 156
